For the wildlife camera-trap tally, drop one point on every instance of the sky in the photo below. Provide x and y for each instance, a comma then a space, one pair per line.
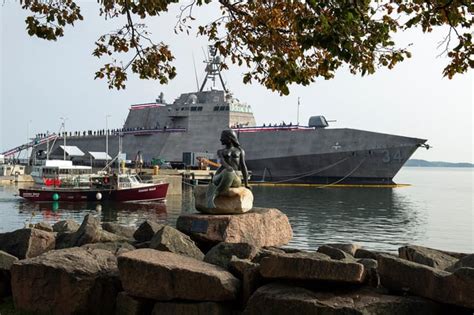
42, 81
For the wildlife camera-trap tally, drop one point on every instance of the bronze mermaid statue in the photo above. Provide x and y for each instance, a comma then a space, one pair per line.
232, 159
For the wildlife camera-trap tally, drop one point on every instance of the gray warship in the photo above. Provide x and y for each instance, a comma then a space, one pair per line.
190, 126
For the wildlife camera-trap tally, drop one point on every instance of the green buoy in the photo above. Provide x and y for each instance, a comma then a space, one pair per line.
55, 197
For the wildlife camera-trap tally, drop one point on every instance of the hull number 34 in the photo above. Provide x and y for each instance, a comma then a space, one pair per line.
387, 158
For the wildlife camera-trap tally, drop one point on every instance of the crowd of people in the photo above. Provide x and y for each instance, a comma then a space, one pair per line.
282, 124
100, 132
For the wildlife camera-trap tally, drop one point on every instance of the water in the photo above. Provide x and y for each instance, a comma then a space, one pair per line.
435, 211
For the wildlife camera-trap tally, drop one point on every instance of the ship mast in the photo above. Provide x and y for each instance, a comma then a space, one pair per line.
213, 68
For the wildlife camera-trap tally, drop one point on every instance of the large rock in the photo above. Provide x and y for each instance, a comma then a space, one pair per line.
403, 275
235, 200
222, 253
427, 256
66, 226
271, 250
64, 240
249, 274
372, 277
122, 230
275, 299
259, 227
158, 275
27, 243
457, 255
334, 253
147, 230
171, 240
6, 261
43, 226
364, 253
68, 281
130, 305
186, 308
349, 248
466, 261
115, 248
89, 232
311, 266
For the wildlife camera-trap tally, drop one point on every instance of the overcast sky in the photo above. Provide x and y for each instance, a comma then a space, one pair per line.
42, 81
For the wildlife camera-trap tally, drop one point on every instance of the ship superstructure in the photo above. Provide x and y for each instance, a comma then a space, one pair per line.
190, 124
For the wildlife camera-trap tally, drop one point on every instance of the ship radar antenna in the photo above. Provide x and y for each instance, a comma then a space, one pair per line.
213, 68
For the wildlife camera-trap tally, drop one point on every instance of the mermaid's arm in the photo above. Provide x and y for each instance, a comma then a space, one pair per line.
243, 168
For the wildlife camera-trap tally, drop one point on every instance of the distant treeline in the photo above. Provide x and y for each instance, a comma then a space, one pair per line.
423, 163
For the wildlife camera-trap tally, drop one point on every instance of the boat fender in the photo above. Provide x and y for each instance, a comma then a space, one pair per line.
98, 196
106, 179
55, 197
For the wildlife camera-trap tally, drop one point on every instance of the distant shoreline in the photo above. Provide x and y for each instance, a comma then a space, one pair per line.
424, 163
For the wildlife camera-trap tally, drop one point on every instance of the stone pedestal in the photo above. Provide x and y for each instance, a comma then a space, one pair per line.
259, 227
236, 200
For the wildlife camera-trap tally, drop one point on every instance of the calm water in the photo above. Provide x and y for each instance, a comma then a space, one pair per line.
436, 211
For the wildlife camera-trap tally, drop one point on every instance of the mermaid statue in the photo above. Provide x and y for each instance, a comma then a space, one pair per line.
232, 159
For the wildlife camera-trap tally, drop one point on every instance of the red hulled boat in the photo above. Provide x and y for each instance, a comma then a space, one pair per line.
121, 187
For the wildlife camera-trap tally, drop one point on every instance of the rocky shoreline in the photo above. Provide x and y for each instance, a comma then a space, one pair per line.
221, 264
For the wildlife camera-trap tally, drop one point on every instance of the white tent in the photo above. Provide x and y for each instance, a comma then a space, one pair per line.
100, 156
72, 150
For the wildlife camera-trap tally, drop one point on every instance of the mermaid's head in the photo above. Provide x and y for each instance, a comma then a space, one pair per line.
229, 136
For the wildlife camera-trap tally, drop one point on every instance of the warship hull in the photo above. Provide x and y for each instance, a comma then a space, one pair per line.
327, 156
292, 155
354, 168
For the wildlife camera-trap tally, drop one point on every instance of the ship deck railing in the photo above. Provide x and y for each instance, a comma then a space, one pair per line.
143, 132
272, 128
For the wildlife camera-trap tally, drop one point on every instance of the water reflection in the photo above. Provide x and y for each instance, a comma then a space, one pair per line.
128, 213
380, 219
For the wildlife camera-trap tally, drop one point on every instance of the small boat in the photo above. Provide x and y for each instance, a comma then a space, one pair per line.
122, 187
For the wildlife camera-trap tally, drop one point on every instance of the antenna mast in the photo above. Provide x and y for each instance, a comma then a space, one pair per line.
213, 68
298, 113
195, 73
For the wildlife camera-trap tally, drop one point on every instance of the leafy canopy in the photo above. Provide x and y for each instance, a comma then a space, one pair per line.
279, 41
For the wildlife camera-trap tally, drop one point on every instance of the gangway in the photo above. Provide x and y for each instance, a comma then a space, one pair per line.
31, 144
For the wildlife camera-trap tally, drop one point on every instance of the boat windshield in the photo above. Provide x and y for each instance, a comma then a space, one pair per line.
128, 181
75, 171
50, 170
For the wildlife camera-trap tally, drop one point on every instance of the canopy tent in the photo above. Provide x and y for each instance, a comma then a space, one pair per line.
99, 156
72, 152
96, 159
